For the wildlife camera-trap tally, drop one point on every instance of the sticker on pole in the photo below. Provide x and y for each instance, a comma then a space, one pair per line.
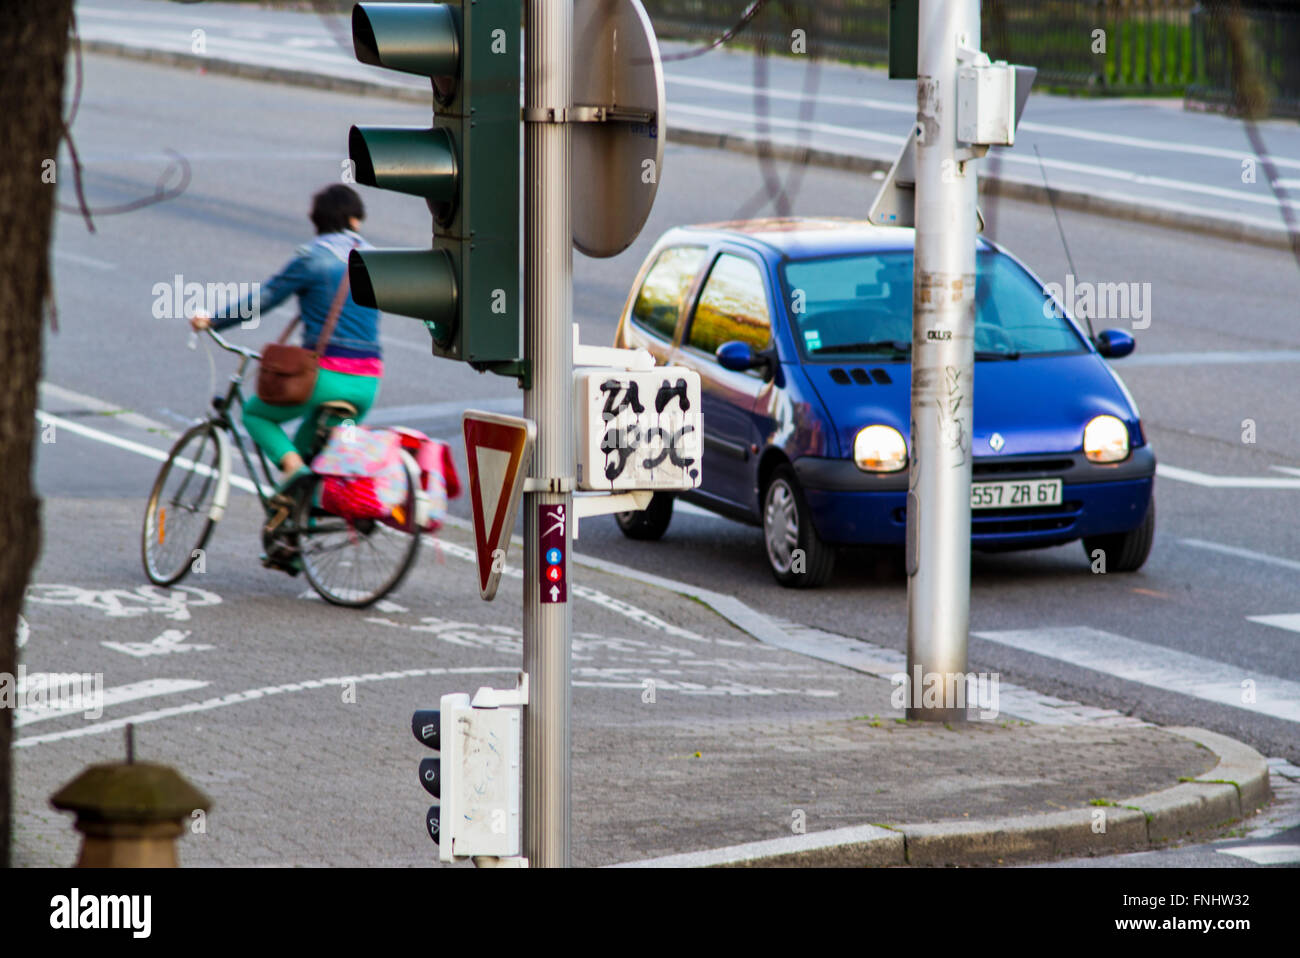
638, 429
552, 525
499, 449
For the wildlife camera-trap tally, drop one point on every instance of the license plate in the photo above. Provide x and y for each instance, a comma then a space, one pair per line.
1015, 494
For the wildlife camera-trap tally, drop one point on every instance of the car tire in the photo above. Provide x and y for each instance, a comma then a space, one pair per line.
651, 522
1126, 551
787, 528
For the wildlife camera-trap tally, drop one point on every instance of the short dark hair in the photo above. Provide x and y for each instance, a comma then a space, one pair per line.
334, 206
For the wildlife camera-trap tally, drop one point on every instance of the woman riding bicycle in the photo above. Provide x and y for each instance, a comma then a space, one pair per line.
351, 365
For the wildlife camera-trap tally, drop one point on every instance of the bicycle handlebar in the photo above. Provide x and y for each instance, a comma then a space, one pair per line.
231, 347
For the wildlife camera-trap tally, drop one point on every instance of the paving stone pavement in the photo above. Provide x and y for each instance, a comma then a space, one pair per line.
688, 734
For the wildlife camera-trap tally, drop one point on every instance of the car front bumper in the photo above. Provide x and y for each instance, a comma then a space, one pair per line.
850, 507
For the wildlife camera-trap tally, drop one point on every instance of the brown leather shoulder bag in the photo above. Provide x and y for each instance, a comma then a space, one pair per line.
286, 376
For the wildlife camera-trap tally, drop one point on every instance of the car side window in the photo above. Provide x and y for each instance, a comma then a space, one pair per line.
733, 306
659, 302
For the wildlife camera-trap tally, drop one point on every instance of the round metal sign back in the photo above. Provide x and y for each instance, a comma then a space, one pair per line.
616, 163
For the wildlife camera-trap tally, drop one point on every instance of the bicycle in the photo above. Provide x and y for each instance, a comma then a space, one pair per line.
350, 562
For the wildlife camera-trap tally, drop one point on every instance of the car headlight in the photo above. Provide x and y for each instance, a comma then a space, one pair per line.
1105, 439
879, 449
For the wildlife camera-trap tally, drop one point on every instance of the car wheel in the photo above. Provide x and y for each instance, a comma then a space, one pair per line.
1126, 551
798, 557
651, 522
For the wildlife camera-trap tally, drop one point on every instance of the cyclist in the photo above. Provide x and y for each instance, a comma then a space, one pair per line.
352, 363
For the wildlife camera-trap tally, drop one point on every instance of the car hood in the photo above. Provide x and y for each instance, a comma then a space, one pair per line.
1037, 404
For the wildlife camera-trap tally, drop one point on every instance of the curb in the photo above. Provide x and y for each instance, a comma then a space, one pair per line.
1235, 788
1168, 215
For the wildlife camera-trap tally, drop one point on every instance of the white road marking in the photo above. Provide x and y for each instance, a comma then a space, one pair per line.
1068, 166
114, 696
1265, 854
1159, 667
173, 640
140, 449
64, 394
249, 695
1241, 553
1212, 358
396, 415
1290, 621
1290, 471
638, 615
172, 603
1077, 133
1179, 474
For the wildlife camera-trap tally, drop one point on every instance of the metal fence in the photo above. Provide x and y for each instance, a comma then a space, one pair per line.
1164, 47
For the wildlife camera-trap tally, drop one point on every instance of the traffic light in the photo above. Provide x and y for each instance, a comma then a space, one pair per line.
466, 167
476, 776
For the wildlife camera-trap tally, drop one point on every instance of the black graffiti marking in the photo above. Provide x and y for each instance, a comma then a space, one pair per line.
671, 444
667, 392
631, 397
622, 443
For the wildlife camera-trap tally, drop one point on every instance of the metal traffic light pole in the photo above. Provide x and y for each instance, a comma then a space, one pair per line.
943, 367
548, 349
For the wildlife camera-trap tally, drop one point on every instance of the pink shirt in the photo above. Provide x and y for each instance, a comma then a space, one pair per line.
353, 366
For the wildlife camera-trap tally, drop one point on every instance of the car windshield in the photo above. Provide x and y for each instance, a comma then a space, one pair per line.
861, 305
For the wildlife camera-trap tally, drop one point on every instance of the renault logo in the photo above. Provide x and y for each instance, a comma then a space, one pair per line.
996, 442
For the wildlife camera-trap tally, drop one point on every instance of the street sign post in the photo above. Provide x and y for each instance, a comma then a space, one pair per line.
548, 350
498, 450
965, 104
577, 136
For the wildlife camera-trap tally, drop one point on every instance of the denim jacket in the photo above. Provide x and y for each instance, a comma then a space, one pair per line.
314, 275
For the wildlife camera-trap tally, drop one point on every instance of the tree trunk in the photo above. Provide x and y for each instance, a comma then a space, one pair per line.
33, 48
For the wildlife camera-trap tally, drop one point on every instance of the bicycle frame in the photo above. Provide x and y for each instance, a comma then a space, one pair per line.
221, 418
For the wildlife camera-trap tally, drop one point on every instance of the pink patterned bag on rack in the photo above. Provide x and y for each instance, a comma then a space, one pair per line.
364, 476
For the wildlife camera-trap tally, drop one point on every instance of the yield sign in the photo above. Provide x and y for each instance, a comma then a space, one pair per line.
499, 449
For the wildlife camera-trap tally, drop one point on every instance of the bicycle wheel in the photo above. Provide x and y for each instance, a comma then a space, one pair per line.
356, 562
187, 499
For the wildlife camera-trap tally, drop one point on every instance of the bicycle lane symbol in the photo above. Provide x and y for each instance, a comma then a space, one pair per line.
173, 604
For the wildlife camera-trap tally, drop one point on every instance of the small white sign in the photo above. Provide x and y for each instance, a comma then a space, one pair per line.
638, 429
482, 764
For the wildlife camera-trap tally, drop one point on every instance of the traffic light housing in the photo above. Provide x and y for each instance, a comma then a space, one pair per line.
465, 166
476, 776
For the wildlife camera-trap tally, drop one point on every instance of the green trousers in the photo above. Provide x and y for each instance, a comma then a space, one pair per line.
263, 421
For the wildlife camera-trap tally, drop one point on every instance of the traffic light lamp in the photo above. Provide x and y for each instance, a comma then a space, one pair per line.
427, 726
465, 166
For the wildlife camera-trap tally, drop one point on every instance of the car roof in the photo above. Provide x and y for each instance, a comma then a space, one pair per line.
800, 237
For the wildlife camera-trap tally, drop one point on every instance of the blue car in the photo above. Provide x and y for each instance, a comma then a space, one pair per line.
801, 332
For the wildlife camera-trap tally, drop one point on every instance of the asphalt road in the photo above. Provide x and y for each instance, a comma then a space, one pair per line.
1144, 150
1220, 349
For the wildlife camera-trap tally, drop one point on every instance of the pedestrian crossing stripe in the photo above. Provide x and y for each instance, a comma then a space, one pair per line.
1159, 667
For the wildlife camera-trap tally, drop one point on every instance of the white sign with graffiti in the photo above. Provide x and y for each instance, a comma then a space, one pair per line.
638, 429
